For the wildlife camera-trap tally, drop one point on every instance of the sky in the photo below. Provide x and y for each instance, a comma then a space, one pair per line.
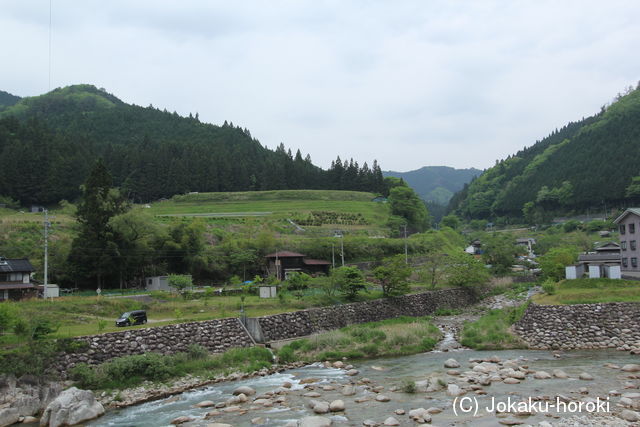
409, 83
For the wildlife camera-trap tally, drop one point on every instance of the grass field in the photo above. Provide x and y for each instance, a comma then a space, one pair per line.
586, 291
84, 315
276, 204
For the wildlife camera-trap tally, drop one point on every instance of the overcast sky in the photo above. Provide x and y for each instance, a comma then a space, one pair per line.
409, 83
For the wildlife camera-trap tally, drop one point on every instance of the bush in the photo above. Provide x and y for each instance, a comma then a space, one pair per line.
409, 386
549, 287
285, 355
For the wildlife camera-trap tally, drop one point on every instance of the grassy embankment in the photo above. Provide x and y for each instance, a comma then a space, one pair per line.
587, 291
491, 331
387, 338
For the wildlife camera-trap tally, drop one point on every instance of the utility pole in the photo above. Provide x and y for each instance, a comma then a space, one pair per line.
406, 252
47, 224
333, 256
342, 248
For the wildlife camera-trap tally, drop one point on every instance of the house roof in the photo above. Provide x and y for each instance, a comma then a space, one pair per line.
13, 285
599, 257
316, 262
15, 265
635, 211
610, 246
284, 254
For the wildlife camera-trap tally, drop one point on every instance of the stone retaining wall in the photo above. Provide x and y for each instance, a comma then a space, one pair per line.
581, 326
306, 322
215, 335
221, 334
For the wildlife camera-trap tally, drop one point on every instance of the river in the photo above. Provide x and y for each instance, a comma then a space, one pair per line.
393, 372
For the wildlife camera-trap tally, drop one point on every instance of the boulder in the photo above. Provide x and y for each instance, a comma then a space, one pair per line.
321, 408
454, 390
451, 364
181, 420
585, 376
246, 390
352, 372
382, 398
336, 406
205, 404
391, 422
559, 373
631, 367
348, 390
542, 375
314, 422
71, 407
629, 415
9, 416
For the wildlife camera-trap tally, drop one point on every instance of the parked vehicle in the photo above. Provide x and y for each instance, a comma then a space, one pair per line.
136, 317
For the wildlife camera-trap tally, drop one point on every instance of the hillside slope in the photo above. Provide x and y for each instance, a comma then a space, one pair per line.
585, 164
7, 99
150, 153
436, 183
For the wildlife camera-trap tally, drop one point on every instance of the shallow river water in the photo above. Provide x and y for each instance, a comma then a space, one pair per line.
389, 373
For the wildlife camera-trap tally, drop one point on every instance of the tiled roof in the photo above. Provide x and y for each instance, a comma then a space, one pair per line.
316, 262
14, 285
16, 266
284, 254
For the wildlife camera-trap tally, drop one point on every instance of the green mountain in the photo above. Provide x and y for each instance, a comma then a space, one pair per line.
586, 164
48, 143
7, 100
436, 183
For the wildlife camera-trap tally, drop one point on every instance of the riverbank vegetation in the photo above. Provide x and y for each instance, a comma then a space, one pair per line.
130, 371
588, 291
387, 338
491, 331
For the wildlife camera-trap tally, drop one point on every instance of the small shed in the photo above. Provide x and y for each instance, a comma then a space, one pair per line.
157, 283
268, 291
50, 291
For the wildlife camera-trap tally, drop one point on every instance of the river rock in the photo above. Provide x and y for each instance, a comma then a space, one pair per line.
510, 422
219, 425
29, 419
391, 422
631, 395
400, 411
336, 406
434, 410
314, 422
629, 415
313, 394
626, 402
631, 367
454, 390
181, 420
246, 390
451, 364
559, 373
321, 408
542, 375
9, 416
205, 404
352, 372
71, 407
382, 398
348, 390
511, 381
338, 364
585, 376
370, 423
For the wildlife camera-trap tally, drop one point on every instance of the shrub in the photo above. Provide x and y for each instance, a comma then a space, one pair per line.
549, 287
409, 386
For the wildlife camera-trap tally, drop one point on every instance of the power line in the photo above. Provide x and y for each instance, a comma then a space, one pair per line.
50, 7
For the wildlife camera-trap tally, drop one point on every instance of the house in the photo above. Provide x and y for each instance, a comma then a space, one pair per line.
282, 263
15, 279
158, 283
475, 248
604, 261
629, 227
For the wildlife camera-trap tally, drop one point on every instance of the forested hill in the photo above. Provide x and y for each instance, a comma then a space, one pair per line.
7, 100
585, 164
436, 183
48, 143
